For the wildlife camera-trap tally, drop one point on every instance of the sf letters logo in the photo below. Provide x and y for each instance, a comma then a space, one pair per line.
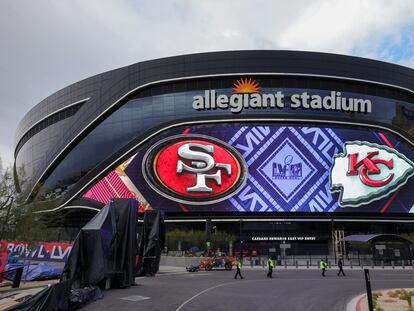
369, 166
201, 165
194, 169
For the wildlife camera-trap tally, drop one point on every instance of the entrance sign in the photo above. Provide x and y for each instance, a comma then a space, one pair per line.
283, 238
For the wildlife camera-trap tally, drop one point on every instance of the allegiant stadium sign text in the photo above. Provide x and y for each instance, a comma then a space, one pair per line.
237, 102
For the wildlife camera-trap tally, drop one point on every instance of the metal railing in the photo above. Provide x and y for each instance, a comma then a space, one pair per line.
313, 261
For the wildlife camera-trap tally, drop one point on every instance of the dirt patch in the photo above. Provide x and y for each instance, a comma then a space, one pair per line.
389, 300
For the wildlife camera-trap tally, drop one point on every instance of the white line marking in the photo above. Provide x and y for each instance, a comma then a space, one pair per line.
216, 286
202, 292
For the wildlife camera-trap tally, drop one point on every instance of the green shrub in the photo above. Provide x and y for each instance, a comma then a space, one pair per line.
405, 295
196, 238
374, 302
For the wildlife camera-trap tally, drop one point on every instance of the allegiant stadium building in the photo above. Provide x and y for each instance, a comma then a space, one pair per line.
276, 147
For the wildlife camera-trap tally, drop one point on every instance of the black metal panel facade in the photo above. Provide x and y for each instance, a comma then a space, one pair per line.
294, 68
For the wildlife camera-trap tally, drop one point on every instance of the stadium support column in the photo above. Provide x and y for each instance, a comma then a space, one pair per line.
334, 242
208, 234
240, 240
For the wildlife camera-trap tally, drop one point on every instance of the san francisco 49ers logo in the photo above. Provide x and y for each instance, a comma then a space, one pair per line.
366, 172
194, 169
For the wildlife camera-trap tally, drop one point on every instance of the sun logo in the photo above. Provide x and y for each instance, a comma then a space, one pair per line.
246, 86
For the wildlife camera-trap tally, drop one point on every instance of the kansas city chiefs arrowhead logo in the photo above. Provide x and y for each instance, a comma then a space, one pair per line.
366, 172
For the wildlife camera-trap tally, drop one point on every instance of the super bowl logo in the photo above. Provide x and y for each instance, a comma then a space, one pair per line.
194, 169
367, 172
287, 170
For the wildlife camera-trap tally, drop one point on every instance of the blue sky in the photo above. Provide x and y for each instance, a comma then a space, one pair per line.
47, 45
397, 48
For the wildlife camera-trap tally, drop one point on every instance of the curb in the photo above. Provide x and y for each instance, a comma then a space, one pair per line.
313, 267
355, 303
358, 305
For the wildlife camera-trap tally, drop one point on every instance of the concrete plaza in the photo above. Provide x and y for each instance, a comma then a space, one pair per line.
289, 290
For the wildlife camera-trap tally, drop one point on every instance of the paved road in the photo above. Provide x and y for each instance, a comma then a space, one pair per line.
289, 290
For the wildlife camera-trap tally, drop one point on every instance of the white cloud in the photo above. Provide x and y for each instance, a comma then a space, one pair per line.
47, 45
6, 155
341, 26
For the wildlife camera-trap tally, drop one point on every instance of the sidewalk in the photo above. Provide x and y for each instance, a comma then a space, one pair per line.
331, 268
249, 267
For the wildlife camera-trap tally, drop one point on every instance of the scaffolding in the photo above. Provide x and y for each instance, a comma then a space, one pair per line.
338, 244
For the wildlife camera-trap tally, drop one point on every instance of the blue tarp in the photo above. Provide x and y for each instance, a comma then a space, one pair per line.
13, 258
37, 271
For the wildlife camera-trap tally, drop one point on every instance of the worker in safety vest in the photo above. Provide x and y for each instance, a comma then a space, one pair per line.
323, 266
270, 266
238, 269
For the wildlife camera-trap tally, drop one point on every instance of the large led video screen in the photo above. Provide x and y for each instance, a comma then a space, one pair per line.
267, 168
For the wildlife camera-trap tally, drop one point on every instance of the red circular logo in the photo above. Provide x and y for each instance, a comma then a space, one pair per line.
194, 169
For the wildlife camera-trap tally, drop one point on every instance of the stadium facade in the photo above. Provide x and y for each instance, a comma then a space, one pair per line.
276, 147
